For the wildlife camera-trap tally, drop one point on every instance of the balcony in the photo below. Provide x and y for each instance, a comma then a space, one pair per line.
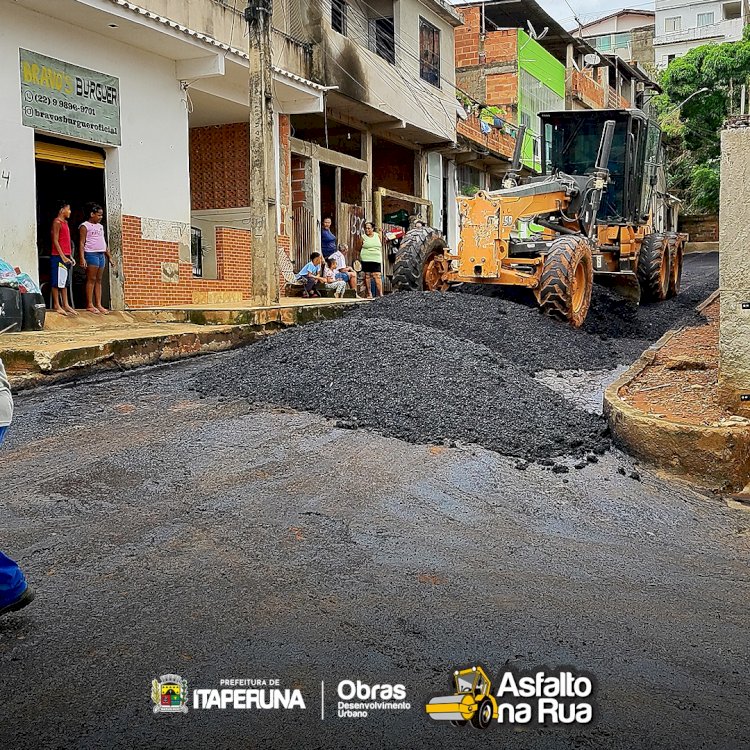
722, 31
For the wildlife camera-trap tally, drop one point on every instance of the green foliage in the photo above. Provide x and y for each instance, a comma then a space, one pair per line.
692, 123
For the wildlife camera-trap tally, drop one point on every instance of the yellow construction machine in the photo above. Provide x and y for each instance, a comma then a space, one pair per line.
472, 702
598, 211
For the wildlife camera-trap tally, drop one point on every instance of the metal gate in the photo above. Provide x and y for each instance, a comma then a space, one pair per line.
303, 236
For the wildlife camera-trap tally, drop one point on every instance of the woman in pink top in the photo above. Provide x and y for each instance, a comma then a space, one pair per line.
93, 251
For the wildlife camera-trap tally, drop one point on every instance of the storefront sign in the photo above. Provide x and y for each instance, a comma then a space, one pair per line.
62, 98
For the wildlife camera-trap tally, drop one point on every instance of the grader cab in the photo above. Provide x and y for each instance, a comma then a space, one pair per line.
598, 211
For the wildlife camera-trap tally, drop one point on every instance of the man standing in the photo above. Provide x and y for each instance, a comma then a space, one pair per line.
14, 591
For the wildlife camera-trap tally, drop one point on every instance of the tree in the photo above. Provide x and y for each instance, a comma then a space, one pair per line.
692, 124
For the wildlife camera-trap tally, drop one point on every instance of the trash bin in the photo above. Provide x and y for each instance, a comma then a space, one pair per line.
11, 312
34, 311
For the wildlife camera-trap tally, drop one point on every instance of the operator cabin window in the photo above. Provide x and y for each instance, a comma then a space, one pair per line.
383, 39
705, 19
672, 24
338, 16
429, 53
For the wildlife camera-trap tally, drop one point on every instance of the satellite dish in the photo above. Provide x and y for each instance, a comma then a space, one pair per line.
592, 59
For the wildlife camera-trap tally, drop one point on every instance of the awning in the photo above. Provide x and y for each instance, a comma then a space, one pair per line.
78, 157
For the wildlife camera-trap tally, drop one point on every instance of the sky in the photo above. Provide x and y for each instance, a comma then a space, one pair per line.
588, 10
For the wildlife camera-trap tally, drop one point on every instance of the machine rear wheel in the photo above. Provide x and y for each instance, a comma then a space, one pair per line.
675, 273
567, 280
421, 262
653, 267
483, 716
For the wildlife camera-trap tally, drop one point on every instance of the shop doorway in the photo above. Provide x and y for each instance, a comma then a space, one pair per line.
65, 171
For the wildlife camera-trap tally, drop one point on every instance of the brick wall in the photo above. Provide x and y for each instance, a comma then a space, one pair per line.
145, 285
467, 37
299, 194
701, 228
495, 140
501, 46
502, 90
392, 167
283, 238
219, 165
588, 91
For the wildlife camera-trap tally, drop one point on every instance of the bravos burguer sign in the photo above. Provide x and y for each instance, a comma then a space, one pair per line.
62, 98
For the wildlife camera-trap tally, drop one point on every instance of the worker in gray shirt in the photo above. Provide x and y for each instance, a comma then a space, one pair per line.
14, 591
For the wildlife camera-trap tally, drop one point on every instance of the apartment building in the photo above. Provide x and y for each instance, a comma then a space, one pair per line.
681, 26
627, 33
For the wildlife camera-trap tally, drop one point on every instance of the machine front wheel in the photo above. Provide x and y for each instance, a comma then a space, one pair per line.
675, 273
653, 267
422, 262
483, 716
567, 279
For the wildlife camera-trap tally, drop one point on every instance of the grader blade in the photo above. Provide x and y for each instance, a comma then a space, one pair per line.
624, 283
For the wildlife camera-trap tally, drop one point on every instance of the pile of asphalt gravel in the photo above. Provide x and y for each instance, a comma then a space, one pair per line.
432, 367
409, 381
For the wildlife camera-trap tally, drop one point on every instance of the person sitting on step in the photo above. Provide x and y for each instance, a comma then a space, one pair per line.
311, 274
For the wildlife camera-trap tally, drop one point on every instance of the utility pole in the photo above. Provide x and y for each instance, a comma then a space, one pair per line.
261, 178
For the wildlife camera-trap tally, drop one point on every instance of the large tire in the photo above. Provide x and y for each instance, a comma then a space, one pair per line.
653, 267
567, 279
483, 716
418, 266
675, 272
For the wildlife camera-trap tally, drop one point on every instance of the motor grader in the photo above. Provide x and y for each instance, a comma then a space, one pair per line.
598, 211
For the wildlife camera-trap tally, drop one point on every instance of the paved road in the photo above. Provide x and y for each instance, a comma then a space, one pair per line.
169, 533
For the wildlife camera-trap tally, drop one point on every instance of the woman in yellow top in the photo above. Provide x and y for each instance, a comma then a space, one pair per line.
371, 257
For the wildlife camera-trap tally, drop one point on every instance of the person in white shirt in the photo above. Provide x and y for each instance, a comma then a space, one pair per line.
344, 272
332, 280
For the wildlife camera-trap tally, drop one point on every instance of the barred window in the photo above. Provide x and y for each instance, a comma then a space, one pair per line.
429, 52
339, 16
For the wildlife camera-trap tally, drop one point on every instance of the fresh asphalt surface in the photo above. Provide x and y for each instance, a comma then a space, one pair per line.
167, 532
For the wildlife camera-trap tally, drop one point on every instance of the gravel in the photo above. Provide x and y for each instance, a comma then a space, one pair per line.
433, 368
408, 381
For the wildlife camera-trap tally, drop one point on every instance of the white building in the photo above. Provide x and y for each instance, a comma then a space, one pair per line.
681, 26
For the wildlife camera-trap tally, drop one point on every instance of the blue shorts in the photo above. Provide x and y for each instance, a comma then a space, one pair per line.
95, 259
342, 276
55, 264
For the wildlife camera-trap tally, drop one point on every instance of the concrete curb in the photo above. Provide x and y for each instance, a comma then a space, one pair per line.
717, 455
210, 331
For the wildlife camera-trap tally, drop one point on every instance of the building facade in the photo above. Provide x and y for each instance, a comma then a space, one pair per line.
681, 26
628, 33
362, 96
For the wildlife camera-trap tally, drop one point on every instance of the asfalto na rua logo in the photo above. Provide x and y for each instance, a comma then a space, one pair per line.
540, 696
169, 694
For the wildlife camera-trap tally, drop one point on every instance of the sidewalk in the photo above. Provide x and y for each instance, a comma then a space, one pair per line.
70, 346
666, 410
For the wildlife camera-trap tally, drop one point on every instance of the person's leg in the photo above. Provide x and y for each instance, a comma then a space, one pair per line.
379, 284
91, 272
54, 270
352, 280
98, 288
368, 288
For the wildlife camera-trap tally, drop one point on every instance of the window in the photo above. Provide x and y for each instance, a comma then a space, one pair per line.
705, 19
672, 24
338, 16
429, 52
604, 43
670, 58
732, 11
383, 39
622, 41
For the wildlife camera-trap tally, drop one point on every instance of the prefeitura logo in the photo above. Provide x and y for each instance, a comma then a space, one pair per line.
169, 694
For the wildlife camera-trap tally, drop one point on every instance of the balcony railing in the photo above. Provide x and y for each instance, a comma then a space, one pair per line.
731, 29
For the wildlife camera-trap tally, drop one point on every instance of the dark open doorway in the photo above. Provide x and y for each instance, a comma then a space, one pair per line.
61, 175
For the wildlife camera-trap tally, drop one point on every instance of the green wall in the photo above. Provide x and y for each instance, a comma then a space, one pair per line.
535, 62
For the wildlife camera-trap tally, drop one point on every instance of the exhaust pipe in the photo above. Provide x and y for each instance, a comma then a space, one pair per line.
514, 173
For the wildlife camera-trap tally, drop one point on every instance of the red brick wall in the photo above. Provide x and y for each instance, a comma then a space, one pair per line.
392, 167
587, 90
495, 140
142, 259
467, 37
299, 196
219, 164
285, 172
501, 46
502, 90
